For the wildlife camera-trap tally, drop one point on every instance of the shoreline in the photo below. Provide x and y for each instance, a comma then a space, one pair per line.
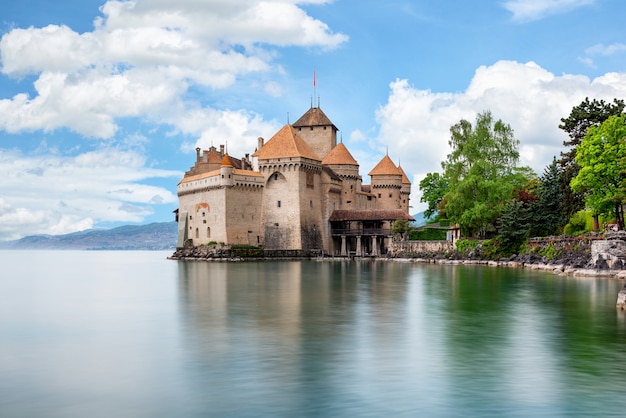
558, 269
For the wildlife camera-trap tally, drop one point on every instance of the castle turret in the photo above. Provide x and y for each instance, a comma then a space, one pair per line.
387, 184
226, 171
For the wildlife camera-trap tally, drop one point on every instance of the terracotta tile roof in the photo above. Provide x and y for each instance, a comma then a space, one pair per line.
385, 167
339, 155
213, 157
286, 143
313, 117
226, 162
187, 179
369, 215
405, 179
214, 173
247, 173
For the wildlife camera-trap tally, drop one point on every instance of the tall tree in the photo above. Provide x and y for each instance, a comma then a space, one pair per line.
581, 118
601, 174
434, 187
481, 172
547, 215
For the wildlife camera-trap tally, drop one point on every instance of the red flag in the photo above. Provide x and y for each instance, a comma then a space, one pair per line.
313, 78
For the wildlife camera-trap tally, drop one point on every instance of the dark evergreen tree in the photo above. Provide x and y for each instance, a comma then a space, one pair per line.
546, 212
514, 226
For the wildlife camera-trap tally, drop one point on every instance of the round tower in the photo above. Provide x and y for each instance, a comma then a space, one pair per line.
226, 171
387, 185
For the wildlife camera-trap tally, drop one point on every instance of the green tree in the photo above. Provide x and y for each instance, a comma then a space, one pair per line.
581, 118
514, 226
434, 187
399, 226
601, 174
481, 172
546, 213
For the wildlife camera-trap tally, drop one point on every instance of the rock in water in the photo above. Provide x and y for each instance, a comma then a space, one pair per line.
621, 299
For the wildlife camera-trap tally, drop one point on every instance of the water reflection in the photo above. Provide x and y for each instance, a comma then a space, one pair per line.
374, 338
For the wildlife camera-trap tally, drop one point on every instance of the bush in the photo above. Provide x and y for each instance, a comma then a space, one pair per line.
427, 234
579, 223
466, 245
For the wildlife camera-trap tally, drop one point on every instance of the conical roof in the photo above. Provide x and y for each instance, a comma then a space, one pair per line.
405, 178
385, 167
286, 143
226, 161
313, 117
339, 155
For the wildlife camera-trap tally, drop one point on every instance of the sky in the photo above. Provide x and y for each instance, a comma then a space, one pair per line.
102, 103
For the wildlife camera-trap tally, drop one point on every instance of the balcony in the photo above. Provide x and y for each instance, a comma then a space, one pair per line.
361, 231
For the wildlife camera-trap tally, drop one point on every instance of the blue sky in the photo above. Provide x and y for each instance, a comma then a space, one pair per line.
102, 103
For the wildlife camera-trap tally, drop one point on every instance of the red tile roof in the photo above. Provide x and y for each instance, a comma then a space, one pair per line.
286, 143
385, 167
339, 155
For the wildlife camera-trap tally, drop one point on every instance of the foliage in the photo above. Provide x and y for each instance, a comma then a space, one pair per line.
601, 176
399, 226
581, 118
579, 223
465, 245
427, 234
481, 172
546, 213
489, 249
434, 187
514, 226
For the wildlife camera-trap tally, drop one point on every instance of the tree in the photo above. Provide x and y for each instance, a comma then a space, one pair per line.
581, 118
514, 226
399, 226
434, 187
481, 172
546, 213
601, 174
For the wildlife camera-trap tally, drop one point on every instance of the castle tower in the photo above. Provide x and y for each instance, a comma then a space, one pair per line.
317, 131
291, 209
226, 171
346, 167
387, 184
405, 191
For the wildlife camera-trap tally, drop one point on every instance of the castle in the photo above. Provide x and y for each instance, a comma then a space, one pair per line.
300, 190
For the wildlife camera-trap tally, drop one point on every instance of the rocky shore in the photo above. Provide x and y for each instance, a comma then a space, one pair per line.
585, 256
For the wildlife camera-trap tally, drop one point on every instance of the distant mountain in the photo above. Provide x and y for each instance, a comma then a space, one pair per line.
420, 220
154, 236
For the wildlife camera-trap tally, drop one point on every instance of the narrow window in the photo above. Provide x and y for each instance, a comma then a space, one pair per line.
197, 233
208, 232
279, 203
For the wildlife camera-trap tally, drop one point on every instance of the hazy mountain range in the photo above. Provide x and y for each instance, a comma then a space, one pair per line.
154, 236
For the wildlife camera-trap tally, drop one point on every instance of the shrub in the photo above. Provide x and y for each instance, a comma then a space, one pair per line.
466, 245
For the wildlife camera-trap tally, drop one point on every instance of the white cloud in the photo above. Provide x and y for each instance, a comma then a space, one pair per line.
601, 49
529, 10
415, 123
48, 193
142, 57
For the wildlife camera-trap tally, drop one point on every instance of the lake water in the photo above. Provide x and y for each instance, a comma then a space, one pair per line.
132, 334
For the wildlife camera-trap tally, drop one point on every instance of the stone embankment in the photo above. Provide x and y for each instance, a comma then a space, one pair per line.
589, 255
